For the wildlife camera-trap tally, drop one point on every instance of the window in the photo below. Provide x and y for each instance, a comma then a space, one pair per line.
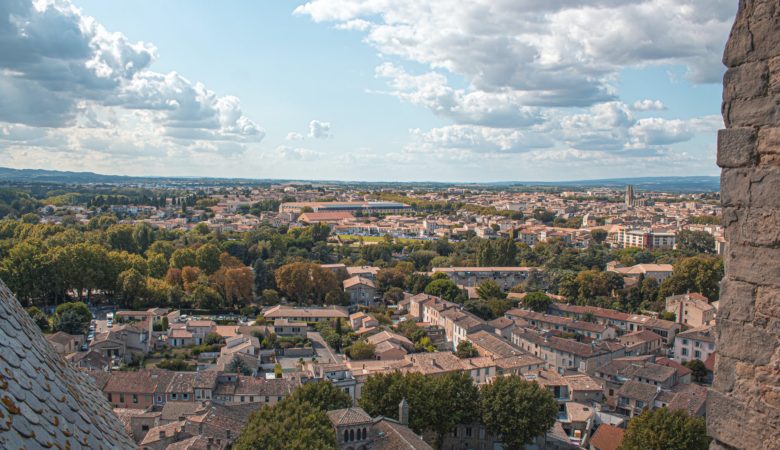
365, 434
121, 398
185, 396
242, 399
144, 427
267, 399
685, 352
174, 396
346, 435
640, 404
697, 354
135, 398
351, 435
685, 341
109, 397
468, 431
159, 399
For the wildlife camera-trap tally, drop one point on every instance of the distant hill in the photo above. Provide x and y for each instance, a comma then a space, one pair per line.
668, 184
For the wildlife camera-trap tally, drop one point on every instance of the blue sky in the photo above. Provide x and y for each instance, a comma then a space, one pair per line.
364, 90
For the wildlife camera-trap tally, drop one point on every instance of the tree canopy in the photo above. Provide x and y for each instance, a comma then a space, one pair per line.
662, 429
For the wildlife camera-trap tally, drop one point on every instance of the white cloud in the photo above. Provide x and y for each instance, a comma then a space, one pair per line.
92, 88
284, 152
649, 105
555, 53
524, 77
294, 136
319, 130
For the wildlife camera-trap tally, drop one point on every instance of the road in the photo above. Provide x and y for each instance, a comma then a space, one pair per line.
324, 354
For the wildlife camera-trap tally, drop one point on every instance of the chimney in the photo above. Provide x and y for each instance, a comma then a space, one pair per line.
403, 412
162, 434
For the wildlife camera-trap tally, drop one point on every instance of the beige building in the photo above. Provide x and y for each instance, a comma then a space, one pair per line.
693, 310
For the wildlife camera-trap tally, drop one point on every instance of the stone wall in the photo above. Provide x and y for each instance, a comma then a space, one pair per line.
743, 408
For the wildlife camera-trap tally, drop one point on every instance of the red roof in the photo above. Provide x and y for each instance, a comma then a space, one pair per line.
607, 437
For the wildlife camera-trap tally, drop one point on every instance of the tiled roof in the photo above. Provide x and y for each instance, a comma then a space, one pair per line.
704, 334
393, 436
495, 345
354, 281
348, 416
45, 401
607, 437
638, 391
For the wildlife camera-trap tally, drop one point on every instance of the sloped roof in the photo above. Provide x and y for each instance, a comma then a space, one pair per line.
607, 437
348, 416
45, 401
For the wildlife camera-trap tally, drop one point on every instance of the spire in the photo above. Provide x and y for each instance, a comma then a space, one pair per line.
403, 412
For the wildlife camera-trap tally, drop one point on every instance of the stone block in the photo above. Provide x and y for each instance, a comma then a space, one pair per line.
752, 226
745, 342
768, 142
737, 300
764, 187
731, 423
725, 373
773, 65
737, 147
765, 31
757, 265
734, 187
746, 81
740, 42
754, 112
768, 301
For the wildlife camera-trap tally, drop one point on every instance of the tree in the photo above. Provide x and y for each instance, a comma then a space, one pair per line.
422, 259
183, 257
390, 278
323, 394
306, 282
237, 365
698, 368
204, 297
264, 276
39, 318
489, 289
393, 295
72, 318
362, 350
695, 274
131, 285
695, 242
436, 403
290, 424
518, 410
234, 284
207, 257
662, 429
537, 301
212, 339
598, 235
466, 350
445, 289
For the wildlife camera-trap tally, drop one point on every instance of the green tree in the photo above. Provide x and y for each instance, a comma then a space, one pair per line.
537, 301
466, 350
489, 289
698, 368
695, 274
72, 318
183, 257
662, 429
207, 257
212, 339
322, 394
598, 235
695, 242
393, 295
131, 285
445, 289
362, 350
39, 318
291, 425
518, 410
237, 365
120, 237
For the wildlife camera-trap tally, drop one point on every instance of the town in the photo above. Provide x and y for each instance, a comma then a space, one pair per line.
398, 314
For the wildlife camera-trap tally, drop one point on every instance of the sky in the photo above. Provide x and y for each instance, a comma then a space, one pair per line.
366, 90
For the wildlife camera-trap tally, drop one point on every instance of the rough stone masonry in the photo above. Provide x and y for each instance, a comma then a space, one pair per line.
743, 407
